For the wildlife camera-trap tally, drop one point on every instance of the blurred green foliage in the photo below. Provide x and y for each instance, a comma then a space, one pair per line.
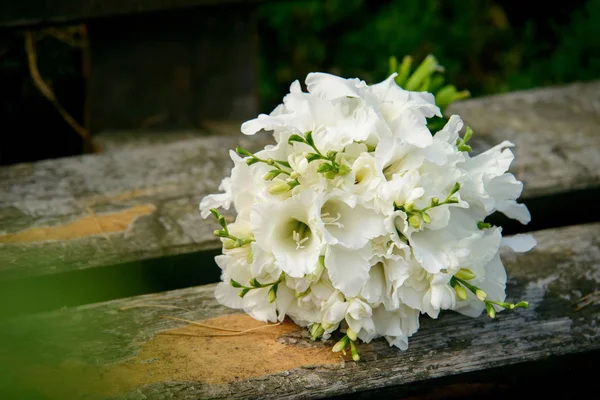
482, 46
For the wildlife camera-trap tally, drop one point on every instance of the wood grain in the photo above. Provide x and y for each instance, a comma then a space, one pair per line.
121, 348
554, 130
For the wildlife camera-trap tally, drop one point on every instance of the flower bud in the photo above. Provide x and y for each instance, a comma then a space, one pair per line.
242, 152
235, 284
279, 187
426, 218
341, 345
460, 291
465, 274
344, 170
243, 292
316, 331
351, 334
435, 201
415, 221
491, 311
354, 352
409, 206
272, 174
481, 295
251, 160
273, 293
483, 225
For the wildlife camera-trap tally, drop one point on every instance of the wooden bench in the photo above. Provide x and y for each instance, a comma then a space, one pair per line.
87, 214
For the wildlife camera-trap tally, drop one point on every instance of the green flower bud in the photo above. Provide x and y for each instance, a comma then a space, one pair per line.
273, 293
435, 201
522, 304
351, 334
220, 233
215, 213
341, 345
481, 295
409, 206
331, 154
344, 170
483, 225
426, 218
242, 152
272, 174
330, 174
354, 352
491, 311
313, 157
415, 221
252, 160
325, 167
455, 189
254, 283
316, 331
235, 284
465, 274
243, 292
460, 291
279, 187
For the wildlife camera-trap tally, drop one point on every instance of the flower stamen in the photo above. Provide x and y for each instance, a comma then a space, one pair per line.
327, 220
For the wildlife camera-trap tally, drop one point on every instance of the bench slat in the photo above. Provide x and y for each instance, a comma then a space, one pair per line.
104, 209
137, 352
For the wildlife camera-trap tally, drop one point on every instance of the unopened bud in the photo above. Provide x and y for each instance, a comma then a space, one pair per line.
235, 283
316, 331
354, 352
455, 188
415, 221
251, 160
481, 295
409, 206
273, 293
341, 345
243, 292
279, 187
491, 311
483, 225
460, 291
435, 201
465, 274
272, 174
344, 170
522, 304
426, 218
351, 334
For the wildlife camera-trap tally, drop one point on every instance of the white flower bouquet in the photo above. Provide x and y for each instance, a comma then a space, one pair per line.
359, 218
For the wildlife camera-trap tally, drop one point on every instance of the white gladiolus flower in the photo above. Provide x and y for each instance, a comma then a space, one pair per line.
359, 218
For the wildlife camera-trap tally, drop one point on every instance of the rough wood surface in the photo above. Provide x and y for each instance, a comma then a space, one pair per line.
124, 347
555, 131
557, 151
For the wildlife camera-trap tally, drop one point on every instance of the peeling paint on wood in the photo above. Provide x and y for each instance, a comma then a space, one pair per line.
95, 224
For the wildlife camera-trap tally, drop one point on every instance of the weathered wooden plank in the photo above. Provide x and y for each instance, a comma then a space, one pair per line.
555, 131
38, 12
95, 210
142, 203
124, 347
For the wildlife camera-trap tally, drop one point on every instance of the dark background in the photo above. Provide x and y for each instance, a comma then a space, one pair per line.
486, 46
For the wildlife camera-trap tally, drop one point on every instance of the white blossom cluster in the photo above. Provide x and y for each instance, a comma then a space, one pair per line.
360, 219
